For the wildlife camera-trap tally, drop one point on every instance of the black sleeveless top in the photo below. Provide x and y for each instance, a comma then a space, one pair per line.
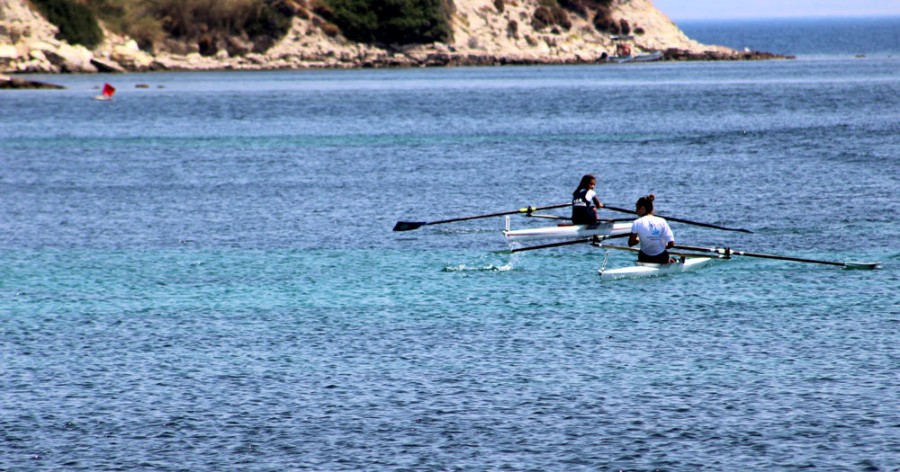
583, 212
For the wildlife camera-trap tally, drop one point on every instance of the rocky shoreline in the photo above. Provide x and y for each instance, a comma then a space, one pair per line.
7, 82
483, 36
422, 57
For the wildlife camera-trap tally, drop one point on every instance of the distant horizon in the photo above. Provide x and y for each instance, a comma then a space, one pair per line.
680, 10
787, 18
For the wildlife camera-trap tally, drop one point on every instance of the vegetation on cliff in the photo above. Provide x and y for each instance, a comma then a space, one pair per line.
76, 22
237, 26
242, 26
389, 21
555, 14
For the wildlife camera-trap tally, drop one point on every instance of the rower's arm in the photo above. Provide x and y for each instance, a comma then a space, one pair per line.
633, 239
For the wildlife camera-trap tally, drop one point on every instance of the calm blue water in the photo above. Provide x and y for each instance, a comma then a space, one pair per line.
805, 38
201, 275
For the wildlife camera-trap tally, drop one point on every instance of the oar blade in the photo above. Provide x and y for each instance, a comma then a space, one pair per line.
862, 265
409, 225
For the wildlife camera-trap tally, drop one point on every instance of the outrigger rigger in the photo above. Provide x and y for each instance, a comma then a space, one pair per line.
609, 228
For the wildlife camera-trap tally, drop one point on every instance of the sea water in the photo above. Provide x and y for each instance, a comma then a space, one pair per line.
810, 38
201, 274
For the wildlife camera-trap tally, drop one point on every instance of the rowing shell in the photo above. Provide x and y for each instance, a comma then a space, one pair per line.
568, 231
647, 269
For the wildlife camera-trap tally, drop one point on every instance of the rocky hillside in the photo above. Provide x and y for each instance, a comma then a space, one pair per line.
483, 32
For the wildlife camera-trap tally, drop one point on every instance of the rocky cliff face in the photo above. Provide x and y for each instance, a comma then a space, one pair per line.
28, 44
480, 29
484, 32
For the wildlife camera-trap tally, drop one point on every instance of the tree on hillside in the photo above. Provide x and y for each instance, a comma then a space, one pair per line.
207, 24
390, 21
76, 22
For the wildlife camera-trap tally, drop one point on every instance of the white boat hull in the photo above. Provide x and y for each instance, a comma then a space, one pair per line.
644, 269
568, 231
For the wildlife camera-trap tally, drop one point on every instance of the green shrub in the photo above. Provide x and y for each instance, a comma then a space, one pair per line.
352, 17
112, 12
575, 6
206, 23
512, 29
265, 21
146, 31
541, 18
583, 8
544, 16
129, 17
331, 30
604, 22
76, 22
562, 18
389, 21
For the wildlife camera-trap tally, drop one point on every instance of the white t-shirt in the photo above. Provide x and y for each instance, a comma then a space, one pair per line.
654, 233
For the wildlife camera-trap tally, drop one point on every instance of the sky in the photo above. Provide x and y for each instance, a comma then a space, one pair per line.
722, 9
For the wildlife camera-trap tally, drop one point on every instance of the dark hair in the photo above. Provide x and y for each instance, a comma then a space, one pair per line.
647, 202
585, 181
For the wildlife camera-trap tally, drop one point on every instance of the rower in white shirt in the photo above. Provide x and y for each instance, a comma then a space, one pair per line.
652, 232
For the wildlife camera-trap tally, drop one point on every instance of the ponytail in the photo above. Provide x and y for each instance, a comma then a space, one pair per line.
646, 202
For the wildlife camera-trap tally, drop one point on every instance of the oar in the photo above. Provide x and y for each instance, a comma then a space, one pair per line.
729, 252
592, 239
680, 220
410, 225
671, 253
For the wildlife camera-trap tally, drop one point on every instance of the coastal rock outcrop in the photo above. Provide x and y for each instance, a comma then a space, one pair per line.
484, 32
7, 82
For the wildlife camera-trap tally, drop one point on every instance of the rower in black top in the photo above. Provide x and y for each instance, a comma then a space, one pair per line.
585, 202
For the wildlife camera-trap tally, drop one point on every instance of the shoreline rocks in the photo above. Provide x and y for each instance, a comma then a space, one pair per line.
674, 54
7, 82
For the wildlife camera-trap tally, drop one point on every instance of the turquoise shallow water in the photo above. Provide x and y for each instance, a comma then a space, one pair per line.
201, 275
270, 360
